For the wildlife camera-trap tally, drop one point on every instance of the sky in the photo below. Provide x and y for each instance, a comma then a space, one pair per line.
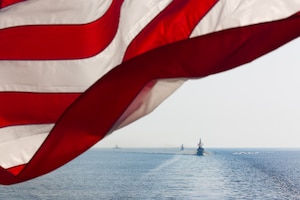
255, 105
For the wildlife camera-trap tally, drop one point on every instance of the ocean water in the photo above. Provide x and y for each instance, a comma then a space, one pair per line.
254, 174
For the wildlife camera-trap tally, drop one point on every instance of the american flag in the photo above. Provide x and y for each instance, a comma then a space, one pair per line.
73, 71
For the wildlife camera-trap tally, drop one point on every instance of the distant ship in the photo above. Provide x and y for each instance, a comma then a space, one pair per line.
182, 148
116, 147
200, 150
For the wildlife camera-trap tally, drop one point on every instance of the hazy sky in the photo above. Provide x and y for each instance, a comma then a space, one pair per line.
255, 105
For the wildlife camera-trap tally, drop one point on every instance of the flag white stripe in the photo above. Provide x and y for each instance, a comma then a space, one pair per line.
147, 100
236, 13
19, 143
36, 12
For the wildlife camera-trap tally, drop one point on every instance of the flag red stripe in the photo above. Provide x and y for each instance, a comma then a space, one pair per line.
88, 121
5, 3
15, 170
33, 108
156, 33
55, 42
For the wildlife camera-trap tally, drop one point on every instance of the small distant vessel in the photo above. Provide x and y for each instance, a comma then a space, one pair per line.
200, 150
182, 148
116, 147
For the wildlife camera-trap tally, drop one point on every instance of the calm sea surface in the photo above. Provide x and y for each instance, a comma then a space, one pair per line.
254, 174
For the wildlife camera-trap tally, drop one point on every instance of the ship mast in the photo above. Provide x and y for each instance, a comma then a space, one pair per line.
200, 143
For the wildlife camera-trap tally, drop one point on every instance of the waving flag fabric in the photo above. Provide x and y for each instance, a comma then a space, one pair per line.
73, 71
